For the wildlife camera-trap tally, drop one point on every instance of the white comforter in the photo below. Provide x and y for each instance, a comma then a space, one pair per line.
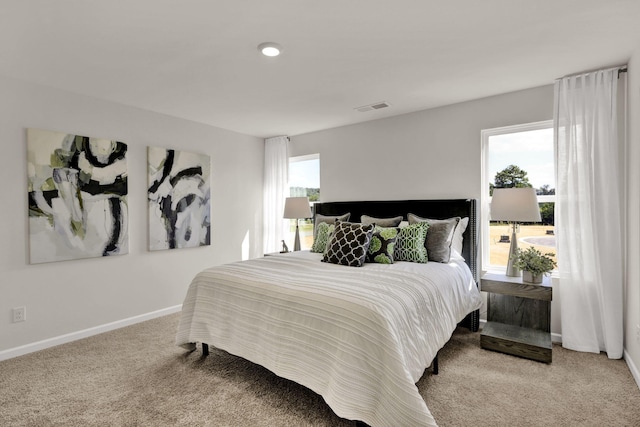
359, 337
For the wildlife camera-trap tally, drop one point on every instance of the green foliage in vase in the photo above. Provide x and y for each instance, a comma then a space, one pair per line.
534, 261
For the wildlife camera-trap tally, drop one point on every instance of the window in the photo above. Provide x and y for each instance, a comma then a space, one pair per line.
518, 156
304, 180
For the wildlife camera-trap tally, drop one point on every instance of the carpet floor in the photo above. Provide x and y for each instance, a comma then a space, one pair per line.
136, 376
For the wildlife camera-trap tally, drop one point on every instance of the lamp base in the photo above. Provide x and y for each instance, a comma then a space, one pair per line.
512, 270
296, 242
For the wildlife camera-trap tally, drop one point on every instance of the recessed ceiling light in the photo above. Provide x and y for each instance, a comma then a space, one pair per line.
270, 49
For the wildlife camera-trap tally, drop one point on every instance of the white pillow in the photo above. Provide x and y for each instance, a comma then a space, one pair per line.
456, 244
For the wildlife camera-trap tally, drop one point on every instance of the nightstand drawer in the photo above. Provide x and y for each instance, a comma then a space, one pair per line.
518, 311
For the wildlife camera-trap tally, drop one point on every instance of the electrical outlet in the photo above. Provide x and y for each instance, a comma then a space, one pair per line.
19, 314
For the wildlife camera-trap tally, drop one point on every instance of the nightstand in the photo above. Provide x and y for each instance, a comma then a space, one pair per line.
518, 317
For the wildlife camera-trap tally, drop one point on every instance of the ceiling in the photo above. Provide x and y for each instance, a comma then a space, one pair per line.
198, 59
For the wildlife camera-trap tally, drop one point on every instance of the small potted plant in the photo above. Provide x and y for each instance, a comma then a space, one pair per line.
534, 264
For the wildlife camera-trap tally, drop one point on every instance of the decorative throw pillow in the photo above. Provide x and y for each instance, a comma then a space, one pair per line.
439, 237
410, 244
383, 242
382, 222
349, 244
319, 219
322, 237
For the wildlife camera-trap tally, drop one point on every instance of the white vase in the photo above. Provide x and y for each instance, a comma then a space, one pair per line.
529, 277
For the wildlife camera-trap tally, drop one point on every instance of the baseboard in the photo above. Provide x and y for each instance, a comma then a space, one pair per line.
73, 336
632, 367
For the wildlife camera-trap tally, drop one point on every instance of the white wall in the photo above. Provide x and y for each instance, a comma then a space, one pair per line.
428, 154
425, 155
70, 296
632, 294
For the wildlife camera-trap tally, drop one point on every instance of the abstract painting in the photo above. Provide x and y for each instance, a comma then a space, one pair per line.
77, 196
179, 206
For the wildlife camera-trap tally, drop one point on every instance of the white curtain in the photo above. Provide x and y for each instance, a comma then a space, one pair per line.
588, 212
276, 177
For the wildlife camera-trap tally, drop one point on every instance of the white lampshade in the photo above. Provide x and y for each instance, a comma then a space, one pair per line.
515, 204
297, 207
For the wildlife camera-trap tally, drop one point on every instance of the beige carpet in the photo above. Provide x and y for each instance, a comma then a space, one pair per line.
136, 376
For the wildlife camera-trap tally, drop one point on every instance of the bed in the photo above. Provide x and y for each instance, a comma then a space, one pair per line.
361, 337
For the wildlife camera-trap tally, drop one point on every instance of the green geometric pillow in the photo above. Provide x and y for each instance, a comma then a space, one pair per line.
382, 245
410, 243
324, 231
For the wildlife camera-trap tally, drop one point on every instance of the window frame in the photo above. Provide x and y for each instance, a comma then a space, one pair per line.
315, 156
485, 198
294, 159
304, 158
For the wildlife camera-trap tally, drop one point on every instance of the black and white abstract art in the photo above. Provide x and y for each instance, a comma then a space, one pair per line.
77, 196
179, 199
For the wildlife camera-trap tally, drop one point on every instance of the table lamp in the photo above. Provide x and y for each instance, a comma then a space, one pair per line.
296, 208
514, 205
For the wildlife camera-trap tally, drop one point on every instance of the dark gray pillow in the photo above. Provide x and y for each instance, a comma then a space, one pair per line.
381, 222
329, 220
439, 236
349, 244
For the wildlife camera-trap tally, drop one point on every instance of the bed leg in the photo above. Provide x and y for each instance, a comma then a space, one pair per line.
473, 321
205, 350
435, 365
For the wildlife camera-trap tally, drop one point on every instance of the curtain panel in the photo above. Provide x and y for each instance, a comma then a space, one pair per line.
276, 177
589, 212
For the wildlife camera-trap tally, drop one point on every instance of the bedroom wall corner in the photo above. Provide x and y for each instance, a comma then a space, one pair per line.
63, 298
632, 289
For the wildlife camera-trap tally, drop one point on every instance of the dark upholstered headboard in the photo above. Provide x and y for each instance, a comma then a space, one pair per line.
436, 209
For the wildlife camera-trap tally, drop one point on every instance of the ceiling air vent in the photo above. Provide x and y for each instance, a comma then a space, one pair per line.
374, 106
